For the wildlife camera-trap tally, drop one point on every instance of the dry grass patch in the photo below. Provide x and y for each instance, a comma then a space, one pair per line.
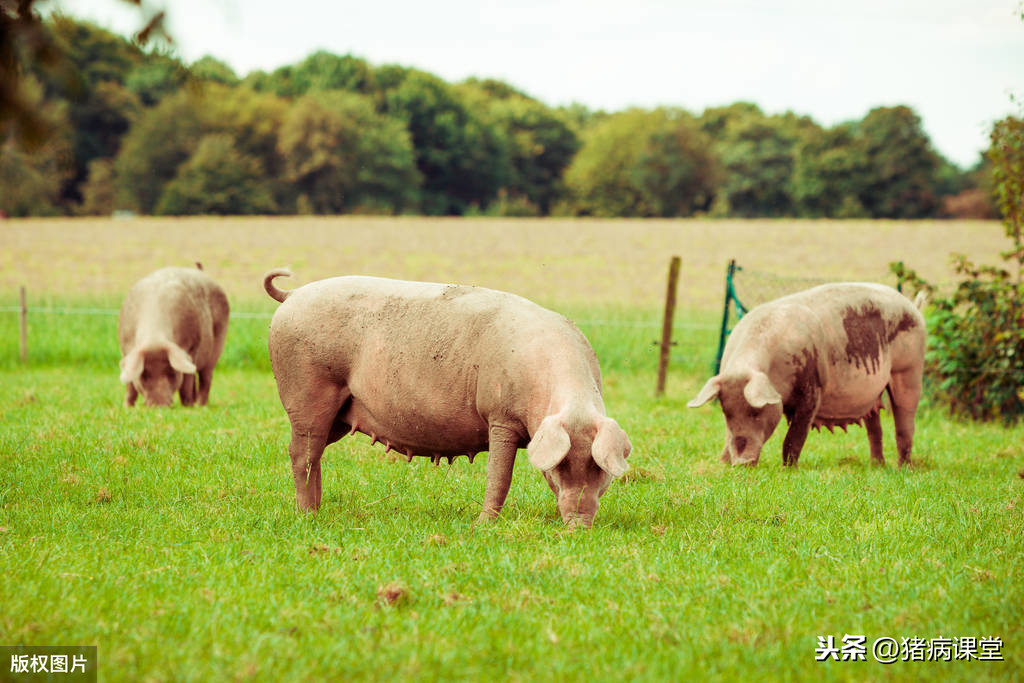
555, 261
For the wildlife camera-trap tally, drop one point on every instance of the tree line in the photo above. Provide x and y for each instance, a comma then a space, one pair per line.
138, 130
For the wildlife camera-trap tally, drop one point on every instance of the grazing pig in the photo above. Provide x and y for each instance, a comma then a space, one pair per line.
172, 328
822, 358
439, 371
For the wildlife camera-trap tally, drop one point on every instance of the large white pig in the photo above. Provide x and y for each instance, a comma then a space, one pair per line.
821, 357
172, 328
439, 371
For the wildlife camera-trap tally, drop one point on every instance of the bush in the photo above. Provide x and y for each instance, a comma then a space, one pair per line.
976, 335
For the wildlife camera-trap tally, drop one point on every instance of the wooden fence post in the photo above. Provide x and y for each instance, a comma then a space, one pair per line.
24, 326
666, 326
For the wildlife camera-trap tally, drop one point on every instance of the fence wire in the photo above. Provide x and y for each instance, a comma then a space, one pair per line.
653, 324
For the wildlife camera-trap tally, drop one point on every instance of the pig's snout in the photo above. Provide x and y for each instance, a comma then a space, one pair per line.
744, 451
577, 521
578, 509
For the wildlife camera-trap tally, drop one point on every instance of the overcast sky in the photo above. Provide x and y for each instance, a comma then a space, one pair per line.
956, 63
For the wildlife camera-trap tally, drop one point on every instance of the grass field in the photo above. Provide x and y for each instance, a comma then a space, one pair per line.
169, 539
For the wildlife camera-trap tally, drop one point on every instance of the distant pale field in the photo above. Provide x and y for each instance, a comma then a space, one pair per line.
554, 261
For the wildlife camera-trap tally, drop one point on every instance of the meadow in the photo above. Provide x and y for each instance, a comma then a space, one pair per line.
169, 538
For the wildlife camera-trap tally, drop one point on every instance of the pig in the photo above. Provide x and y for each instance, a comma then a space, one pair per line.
821, 357
438, 371
171, 329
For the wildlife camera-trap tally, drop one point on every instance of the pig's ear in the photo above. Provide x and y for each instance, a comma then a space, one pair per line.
131, 366
759, 391
180, 360
611, 448
709, 391
549, 445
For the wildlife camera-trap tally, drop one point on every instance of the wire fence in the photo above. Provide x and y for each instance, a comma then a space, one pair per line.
257, 315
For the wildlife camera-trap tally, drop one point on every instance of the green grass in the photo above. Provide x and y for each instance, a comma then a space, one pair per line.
169, 538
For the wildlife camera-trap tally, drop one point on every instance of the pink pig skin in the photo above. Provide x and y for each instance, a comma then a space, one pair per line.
171, 329
439, 371
821, 357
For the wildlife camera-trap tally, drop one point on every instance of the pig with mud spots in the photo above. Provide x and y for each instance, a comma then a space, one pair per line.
439, 371
823, 358
171, 330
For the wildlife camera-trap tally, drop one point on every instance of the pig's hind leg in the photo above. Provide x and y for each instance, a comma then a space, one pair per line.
204, 380
905, 392
313, 421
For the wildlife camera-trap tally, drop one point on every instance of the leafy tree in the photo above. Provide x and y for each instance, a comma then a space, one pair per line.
89, 55
213, 70
340, 155
829, 174
99, 192
162, 139
757, 155
217, 179
715, 120
976, 335
165, 137
540, 143
31, 180
156, 77
254, 121
89, 78
463, 159
644, 163
318, 72
579, 117
902, 168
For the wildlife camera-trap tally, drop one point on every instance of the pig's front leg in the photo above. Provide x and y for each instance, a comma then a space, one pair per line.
799, 426
131, 396
501, 457
188, 390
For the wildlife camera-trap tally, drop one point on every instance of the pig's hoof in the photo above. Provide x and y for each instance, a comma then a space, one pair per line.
487, 517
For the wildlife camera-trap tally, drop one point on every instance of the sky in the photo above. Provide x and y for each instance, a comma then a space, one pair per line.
958, 63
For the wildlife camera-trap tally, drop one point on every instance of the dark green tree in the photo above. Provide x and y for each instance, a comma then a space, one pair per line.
462, 158
31, 180
162, 139
213, 70
644, 163
902, 168
165, 137
540, 142
89, 78
318, 72
217, 179
829, 174
156, 77
757, 154
341, 156
99, 191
